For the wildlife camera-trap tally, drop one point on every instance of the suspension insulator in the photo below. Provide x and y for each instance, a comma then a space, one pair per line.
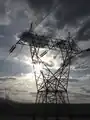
12, 48
44, 53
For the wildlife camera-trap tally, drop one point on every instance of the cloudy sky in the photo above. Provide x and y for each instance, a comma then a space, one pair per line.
16, 78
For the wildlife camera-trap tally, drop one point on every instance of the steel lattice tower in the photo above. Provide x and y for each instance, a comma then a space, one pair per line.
51, 86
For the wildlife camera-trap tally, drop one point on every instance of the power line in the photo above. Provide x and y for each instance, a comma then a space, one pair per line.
53, 9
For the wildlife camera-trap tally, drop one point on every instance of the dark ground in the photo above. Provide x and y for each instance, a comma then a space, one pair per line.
17, 111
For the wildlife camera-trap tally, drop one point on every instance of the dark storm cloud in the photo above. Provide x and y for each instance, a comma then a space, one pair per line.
84, 32
71, 13
41, 4
68, 12
72, 10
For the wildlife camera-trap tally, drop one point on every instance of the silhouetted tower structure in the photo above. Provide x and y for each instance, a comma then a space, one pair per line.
51, 86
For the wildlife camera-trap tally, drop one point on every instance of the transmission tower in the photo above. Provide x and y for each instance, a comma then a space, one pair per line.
51, 86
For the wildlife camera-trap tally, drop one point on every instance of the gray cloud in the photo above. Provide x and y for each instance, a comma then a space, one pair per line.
4, 19
12, 68
7, 78
73, 10
2, 7
79, 98
70, 12
84, 32
86, 90
73, 80
80, 73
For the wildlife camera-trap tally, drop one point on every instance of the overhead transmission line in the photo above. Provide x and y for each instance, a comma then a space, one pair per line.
51, 10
